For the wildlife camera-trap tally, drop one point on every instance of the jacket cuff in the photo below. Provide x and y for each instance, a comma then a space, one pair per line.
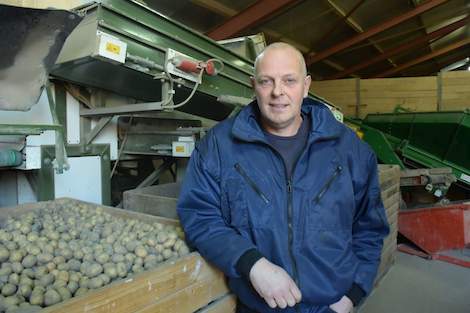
355, 294
246, 262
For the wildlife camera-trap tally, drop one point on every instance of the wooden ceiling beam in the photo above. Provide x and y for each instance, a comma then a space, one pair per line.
254, 14
404, 47
353, 24
315, 57
436, 53
226, 11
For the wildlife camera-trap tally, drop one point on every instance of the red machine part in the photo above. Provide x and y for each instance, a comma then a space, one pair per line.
191, 66
436, 230
186, 65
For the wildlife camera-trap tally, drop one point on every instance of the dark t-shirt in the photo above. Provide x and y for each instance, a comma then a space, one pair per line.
290, 148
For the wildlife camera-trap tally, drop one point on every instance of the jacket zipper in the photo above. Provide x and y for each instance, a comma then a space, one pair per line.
291, 236
327, 185
250, 182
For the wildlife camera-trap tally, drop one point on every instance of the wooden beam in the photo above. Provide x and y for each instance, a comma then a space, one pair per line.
404, 47
224, 10
425, 57
344, 16
315, 57
353, 24
260, 10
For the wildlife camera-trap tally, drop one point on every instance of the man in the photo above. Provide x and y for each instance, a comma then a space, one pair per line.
284, 199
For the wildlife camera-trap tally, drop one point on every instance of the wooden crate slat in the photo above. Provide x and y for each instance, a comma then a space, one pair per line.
226, 304
191, 298
138, 291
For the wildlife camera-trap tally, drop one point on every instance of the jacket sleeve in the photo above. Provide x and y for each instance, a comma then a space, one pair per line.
199, 210
370, 224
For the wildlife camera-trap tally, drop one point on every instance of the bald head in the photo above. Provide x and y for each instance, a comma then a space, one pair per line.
290, 50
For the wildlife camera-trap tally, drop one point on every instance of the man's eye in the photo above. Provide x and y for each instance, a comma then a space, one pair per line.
264, 82
290, 81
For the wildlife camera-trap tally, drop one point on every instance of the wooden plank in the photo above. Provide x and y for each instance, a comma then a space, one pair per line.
226, 304
191, 298
391, 211
142, 290
389, 189
392, 200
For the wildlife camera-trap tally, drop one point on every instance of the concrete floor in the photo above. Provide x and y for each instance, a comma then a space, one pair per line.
416, 285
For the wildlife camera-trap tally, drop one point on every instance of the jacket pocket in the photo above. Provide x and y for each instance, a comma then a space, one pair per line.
250, 197
251, 183
327, 185
326, 210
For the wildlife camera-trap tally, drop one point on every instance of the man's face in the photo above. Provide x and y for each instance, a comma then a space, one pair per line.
280, 86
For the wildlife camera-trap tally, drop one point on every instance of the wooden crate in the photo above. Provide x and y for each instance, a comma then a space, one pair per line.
186, 284
389, 177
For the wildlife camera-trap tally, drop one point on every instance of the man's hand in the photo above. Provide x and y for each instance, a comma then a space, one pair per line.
274, 285
344, 305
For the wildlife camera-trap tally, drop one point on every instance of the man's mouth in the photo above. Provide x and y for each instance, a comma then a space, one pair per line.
278, 105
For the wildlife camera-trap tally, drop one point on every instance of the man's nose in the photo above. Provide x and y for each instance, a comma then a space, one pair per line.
278, 89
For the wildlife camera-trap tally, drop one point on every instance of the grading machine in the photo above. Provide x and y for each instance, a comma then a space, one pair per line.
122, 104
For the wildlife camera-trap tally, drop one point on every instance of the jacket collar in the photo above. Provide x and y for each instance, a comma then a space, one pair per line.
323, 124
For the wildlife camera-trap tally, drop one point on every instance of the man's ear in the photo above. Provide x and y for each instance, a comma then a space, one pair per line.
252, 80
307, 82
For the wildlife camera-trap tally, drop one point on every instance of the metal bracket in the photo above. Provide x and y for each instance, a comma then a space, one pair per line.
60, 162
97, 129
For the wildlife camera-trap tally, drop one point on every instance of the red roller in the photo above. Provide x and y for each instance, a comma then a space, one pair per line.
210, 68
186, 65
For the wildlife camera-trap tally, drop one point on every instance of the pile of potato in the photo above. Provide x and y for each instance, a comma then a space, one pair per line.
63, 251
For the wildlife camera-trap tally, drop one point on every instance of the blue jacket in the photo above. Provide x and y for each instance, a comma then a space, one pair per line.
325, 227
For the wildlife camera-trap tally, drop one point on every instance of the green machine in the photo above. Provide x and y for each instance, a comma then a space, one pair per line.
132, 86
433, 140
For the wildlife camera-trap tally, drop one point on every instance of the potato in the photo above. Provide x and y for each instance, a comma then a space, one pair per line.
63, 275
14, 279
183, 250
16, 256
58, 260
81, 291
8, 289
137, 268
59, 283
110, 271
44, 258
74, 276
29, 261
167, 253
83, 282
28, 272
11, 301
121, 269
72, 286
25, 290
64, 293
25, 280
33, 250
95, 283
6, 269
4, 253
169, 243
78, 254
46, 280
17, 267
118, 258
131, 245
94, 269
102, 258
140, 251
51, 297
74, 265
